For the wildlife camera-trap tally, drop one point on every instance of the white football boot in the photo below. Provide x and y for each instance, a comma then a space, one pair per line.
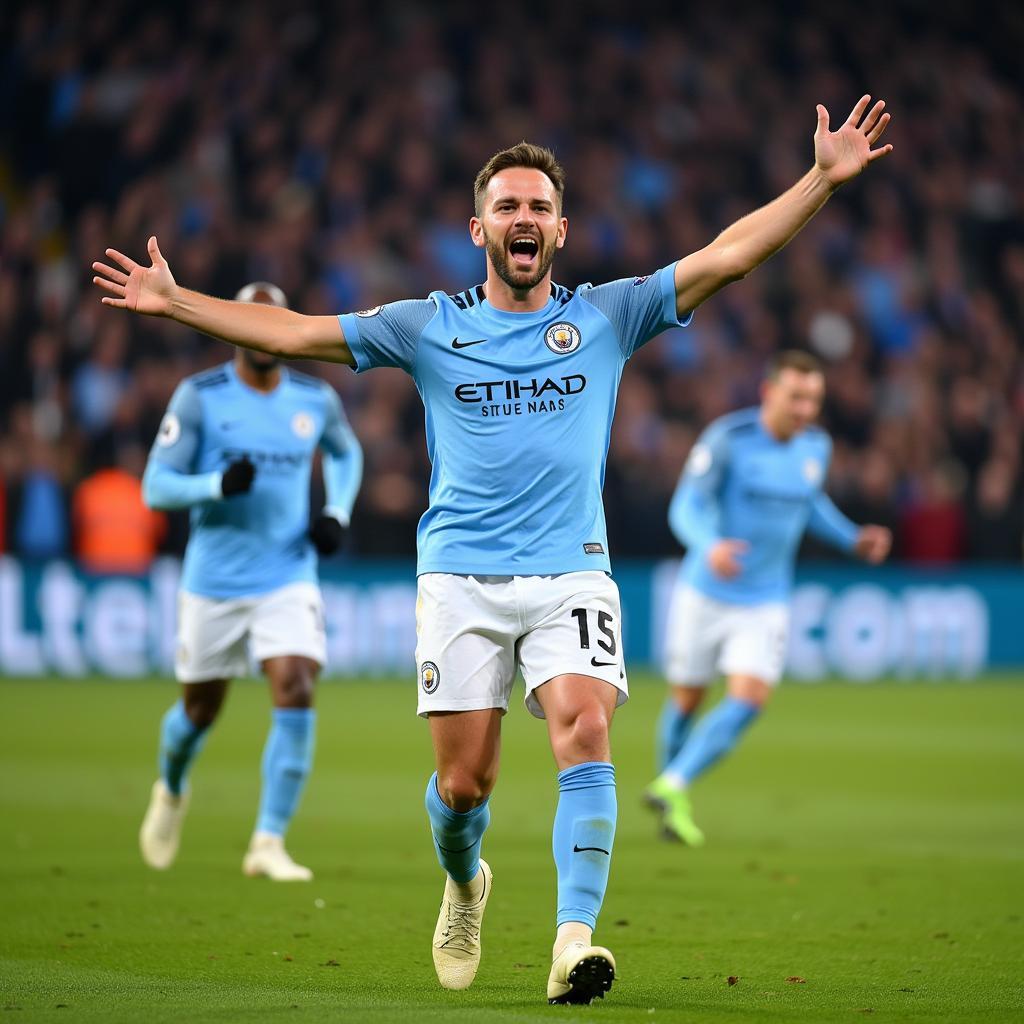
580, 973
456, 946
161, 827
267, 856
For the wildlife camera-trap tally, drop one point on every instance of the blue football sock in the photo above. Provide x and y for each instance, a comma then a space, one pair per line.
287, 759
180, 741
673, 728
712, 737
458, 835
582, 839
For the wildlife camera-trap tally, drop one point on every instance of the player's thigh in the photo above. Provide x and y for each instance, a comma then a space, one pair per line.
755, 643
466, 630
693, 638
289, 622
574, 628
211, 638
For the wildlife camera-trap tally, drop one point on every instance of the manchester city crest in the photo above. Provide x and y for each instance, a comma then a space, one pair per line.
303, 425
430, 677
812, 471
562, 338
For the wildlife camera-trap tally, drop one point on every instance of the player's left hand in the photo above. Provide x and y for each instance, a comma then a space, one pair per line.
844, 153
327, 534
873, 544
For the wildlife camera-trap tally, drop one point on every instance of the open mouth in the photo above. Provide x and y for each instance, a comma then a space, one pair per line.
523, 251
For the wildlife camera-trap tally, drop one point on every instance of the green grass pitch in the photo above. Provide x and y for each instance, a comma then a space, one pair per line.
865, 857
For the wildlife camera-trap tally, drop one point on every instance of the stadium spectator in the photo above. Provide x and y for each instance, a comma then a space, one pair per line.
114, 531
933, 529
38, 518
996, 519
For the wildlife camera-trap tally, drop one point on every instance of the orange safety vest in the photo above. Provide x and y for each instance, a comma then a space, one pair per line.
114, 531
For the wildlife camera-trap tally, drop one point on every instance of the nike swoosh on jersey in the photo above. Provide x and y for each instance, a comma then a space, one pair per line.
465, 344
584, 849
601, 664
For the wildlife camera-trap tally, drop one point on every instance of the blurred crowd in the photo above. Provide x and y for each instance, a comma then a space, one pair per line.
331, 149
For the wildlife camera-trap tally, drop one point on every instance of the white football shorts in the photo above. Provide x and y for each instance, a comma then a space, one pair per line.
217, 636
474, 632
704, 637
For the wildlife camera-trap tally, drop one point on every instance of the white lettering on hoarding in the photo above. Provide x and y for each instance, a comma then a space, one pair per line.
21, 652
865, 631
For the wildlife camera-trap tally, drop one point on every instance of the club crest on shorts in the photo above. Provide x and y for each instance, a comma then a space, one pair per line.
562, 338
302, 425
372, 311
430, 677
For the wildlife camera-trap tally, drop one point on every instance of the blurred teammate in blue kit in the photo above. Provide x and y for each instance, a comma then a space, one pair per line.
236, 448
751, 486
518, 377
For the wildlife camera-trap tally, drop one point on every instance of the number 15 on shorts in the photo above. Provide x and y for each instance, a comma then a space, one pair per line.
601, 626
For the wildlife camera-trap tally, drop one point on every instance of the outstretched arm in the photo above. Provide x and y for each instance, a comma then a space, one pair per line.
153, 291
838, 157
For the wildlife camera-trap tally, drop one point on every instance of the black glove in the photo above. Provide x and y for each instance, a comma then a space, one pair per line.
237, 478
327, 534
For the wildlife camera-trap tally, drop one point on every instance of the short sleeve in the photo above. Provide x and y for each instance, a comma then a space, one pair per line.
177, 440
387, 335
638, 307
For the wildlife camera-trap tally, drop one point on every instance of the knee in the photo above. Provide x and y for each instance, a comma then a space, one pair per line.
202, 709
688, 698
294, 688
750, 690
584, 736
463, 788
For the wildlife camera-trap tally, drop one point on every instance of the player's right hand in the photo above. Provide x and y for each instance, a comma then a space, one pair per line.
724, 557
148, 290
873, 544
238, 477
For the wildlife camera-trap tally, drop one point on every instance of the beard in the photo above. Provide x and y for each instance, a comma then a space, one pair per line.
261, 362
510, 274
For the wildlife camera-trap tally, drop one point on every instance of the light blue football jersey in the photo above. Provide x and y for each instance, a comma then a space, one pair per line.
255, 542
519, 409
743, 483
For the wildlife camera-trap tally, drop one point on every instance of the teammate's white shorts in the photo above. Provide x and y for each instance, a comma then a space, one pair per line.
217, 636
704, 637
473, 632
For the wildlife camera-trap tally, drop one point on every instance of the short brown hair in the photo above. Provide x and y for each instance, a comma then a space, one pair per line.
793, 359
525, 154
